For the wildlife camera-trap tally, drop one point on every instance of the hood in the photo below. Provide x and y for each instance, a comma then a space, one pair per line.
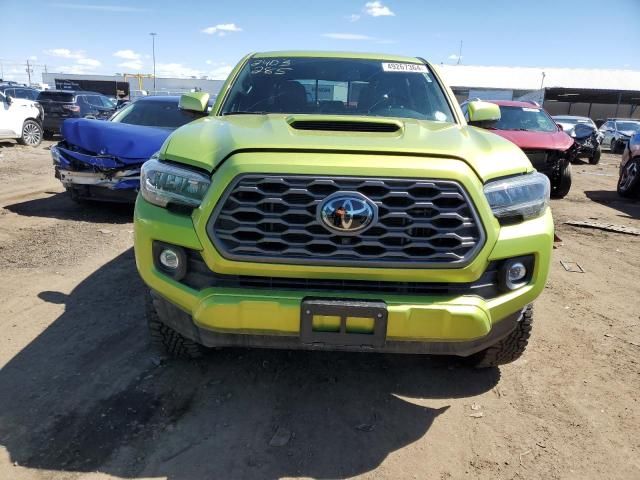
128, 143
208, 141
537, 140
627, 133
22, 102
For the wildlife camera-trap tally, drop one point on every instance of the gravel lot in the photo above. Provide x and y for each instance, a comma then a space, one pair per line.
82, 395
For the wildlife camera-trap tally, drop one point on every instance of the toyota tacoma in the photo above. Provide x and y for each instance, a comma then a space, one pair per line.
341, 202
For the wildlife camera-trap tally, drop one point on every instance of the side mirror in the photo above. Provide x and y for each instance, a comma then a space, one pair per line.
560, 129
480, 111
194, 101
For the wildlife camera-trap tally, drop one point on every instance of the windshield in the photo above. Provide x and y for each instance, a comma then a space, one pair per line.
628, 126
524, 118
337, 86
161, 114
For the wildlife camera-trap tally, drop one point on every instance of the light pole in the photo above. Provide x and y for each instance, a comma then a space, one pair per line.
153, 43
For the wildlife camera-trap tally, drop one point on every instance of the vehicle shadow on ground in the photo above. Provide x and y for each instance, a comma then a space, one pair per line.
88, 395
629, 207
60, 206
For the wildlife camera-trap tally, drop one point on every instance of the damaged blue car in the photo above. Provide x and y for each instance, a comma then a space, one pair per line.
101, 160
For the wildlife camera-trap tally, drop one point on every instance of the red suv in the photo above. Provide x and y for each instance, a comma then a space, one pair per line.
549, 149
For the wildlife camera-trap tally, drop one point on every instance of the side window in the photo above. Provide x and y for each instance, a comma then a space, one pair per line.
21, 93
605, 126
10, 92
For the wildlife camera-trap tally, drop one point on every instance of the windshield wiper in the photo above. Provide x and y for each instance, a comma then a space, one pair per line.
242, 112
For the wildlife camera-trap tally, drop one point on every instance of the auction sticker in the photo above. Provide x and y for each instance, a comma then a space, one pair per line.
404, 67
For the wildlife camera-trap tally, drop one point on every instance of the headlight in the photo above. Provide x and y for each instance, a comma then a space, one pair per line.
162, 183
518, 198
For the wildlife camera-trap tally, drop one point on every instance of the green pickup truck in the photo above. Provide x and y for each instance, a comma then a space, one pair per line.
339, 201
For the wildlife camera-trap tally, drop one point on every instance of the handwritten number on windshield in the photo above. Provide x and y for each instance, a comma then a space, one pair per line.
273, 66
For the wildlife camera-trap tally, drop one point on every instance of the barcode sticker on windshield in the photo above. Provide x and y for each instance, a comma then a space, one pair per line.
404, 67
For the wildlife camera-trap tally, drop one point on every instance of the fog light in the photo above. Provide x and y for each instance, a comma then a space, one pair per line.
169, 259
517, 271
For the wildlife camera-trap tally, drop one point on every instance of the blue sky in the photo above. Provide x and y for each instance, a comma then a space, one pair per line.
207, 38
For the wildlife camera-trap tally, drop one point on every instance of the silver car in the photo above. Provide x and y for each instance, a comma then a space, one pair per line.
617, 132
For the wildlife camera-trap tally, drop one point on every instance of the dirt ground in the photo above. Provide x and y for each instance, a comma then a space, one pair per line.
82, 395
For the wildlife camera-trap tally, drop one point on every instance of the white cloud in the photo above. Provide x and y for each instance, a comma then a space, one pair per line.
455, 57
102, 8
377, 9
90, 62
65, 53
221, 73
132, 65
83, 64
354, 17
177, 70
127, 55
221, 29
208, 62
77, 69
347, 36
33, 58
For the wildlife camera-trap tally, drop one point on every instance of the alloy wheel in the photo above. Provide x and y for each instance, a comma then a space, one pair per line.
31, 134
629, 174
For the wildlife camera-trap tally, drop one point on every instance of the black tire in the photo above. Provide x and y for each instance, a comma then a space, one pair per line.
74, 195
510, 348
629, 181
165, 338
31, 133
562, 184
595, 158
614, 148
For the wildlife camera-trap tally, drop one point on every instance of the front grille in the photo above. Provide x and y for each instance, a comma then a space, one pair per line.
543, 160
200, 277
272, 218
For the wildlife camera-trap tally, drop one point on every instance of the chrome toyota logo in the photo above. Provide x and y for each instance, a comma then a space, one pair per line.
347, 213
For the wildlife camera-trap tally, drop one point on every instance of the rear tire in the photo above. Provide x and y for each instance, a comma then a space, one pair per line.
165, 338
595, 159
629, 181
510, 348
31, 134
562, 184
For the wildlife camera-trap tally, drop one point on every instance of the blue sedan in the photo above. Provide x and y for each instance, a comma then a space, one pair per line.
101, 160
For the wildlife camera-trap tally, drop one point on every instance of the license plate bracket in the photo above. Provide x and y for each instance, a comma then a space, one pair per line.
343, 309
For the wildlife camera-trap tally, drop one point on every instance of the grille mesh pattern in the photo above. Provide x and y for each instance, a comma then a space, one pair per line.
421, 223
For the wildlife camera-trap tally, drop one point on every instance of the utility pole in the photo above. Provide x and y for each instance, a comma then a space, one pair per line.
459, 54
29, 70
153, 43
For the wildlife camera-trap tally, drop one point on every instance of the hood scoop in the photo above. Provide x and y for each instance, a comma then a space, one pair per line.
346, 125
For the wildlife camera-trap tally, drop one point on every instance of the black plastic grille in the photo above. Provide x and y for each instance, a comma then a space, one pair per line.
421, 223
200, 277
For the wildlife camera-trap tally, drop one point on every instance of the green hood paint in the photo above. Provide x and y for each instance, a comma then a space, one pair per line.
205, 143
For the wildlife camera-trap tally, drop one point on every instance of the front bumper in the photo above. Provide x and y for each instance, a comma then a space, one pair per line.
426, 323
93, 177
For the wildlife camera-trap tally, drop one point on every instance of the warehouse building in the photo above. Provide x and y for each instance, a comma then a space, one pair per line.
595, 93
126, 85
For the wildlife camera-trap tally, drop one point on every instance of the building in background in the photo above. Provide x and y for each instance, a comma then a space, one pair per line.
594, 93
130, 85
